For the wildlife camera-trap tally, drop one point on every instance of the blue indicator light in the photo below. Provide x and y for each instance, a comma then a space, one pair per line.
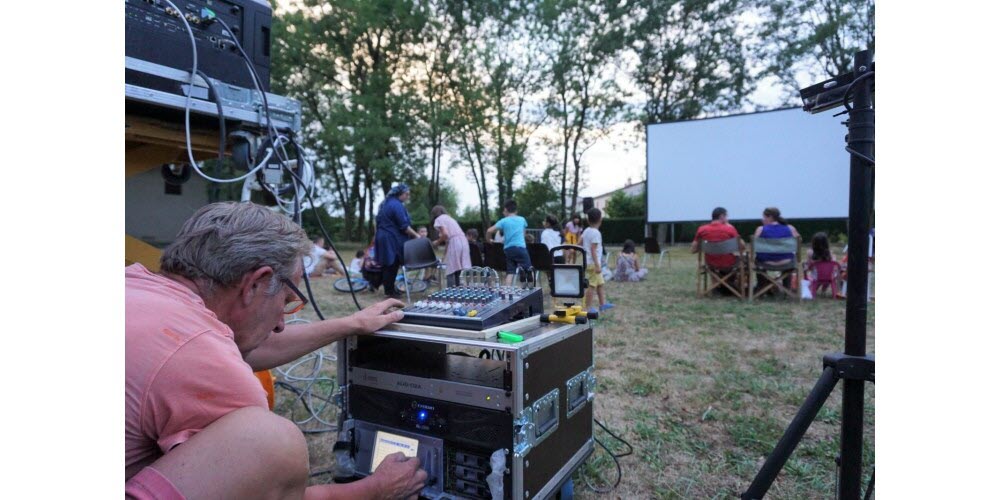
422, 415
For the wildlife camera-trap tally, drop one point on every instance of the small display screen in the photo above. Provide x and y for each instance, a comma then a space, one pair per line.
387, 443
567, 281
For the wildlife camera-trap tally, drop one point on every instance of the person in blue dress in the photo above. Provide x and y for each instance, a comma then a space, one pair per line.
392, 229
774, 226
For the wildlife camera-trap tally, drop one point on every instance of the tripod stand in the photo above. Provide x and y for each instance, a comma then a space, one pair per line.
853, 366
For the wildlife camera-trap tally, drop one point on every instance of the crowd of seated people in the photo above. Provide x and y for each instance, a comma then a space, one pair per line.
820, 267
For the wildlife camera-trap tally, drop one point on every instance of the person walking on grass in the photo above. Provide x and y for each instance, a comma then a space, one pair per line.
514, 247
593, 245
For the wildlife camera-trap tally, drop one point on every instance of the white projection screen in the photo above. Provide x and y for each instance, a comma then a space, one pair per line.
788, 159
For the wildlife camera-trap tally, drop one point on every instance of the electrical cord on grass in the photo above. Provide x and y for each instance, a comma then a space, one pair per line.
614, 456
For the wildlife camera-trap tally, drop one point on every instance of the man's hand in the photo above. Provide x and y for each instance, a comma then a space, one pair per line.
399, 477
376, 317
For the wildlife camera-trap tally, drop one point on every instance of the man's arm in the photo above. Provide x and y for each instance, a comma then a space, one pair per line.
490, 231
298, 340
695, 244
396, 477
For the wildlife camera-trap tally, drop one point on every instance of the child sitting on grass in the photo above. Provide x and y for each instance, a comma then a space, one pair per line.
359, 257
593, 245
628, 264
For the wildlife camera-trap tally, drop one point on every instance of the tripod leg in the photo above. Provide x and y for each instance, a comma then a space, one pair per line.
793, 434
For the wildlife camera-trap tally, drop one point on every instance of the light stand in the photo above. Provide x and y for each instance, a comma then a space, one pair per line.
854, 366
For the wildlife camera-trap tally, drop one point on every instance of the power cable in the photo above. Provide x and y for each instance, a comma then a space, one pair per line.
614, 456
187, 109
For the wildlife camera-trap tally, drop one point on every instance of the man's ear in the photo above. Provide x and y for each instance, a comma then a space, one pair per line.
255, 283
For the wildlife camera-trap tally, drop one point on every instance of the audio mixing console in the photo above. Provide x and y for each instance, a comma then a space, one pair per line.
475, 307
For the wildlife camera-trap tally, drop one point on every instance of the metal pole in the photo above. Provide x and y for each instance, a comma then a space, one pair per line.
790, 439
860, 138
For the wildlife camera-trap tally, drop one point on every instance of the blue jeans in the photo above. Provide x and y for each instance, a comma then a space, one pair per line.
517, 257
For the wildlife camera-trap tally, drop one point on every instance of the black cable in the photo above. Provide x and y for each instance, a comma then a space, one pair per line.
847, 93
269, 131
618, 438
614, 456
277, 151
305, 276
319, 221
214, 95
860, 155
253, 74
618, 467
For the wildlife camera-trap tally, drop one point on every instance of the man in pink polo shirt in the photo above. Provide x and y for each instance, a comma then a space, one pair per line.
197, 423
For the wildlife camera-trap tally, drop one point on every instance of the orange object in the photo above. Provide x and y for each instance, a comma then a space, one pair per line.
267, 380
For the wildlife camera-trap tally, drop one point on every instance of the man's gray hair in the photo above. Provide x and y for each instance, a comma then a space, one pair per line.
222, 242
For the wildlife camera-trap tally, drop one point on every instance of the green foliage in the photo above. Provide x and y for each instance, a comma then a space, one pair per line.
311, 224
537, 198
623, 205
392, 90
692, 57
584, 40
618, 230
813, 40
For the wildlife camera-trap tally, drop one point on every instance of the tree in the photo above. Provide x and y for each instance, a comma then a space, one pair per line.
584, 40
498, 73
537, 197
623, 205
692, 59
344, 62
807, 41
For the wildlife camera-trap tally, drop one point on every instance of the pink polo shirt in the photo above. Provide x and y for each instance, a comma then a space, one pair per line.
182, 368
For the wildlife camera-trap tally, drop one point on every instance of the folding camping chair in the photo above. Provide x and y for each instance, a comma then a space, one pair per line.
652, 247
721, 277
418, 253
791, 269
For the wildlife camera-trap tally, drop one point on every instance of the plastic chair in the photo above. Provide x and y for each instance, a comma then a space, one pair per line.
419, 254
475, 255
653, 247
541, 258
721, 276
788, 269
495, 258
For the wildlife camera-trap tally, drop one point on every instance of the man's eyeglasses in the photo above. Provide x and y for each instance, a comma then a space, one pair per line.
295, 305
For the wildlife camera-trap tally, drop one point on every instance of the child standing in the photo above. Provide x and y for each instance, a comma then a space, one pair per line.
514, 247
593, 245
550, 237
573, 230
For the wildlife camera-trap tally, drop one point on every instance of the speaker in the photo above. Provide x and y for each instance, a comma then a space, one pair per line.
588, 203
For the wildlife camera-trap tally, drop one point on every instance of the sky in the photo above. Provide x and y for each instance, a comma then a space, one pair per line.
612, 162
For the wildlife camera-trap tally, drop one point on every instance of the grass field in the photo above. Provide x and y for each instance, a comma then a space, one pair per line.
702, 388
